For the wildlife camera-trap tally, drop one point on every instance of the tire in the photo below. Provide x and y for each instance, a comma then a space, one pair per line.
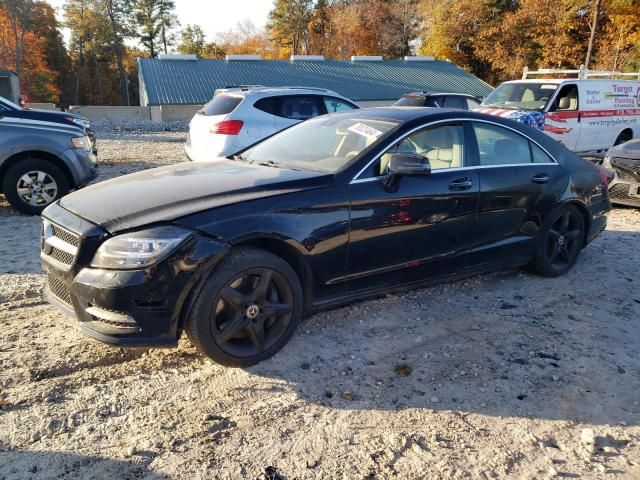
50, 183
623, 137
249, 292
562, 231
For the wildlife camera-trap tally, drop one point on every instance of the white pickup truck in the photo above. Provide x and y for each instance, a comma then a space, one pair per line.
586, 114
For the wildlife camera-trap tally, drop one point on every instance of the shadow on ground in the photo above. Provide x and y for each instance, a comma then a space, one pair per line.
18, 464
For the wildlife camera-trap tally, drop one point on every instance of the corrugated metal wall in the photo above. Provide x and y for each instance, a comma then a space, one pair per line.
193, 82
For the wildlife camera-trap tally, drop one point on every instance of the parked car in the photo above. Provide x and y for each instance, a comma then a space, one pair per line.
11, 110
438, 100
337, 208
237, 117
584, 114
624, 161
42, 161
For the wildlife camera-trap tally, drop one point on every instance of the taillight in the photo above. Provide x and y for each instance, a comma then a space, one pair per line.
604, 178
227, 127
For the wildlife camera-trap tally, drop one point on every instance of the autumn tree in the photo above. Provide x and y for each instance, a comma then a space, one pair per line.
288, 22
193, 41
29, 38
120, 27
246, 38
319, 28
20, 20
618, 44
168, 23
147, 15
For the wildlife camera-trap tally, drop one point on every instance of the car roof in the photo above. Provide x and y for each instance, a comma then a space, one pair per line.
403, 114
255, 90
440, 94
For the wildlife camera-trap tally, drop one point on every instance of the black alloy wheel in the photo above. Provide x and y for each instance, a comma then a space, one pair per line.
248, 308
563, 240
252, 312
560, 242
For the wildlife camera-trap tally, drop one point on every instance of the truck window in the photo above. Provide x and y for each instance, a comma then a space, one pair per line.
520, 95
567, 99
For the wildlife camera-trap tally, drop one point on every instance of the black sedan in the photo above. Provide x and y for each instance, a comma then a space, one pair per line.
340, 207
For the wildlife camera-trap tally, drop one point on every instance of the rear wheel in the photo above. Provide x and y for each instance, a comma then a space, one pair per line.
623, 137
560, 242
32, 184
247, 310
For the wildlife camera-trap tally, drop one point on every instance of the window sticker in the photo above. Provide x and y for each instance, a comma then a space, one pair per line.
366, 130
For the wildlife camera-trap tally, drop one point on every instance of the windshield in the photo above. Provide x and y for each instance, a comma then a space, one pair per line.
324, 143
521, 96
9, 104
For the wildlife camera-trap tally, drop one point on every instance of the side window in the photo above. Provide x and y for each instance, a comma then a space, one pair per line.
539, 155
500, 146
299, 107
453, 102
471, 103
567, 99
336, 105
268, 104
443, 146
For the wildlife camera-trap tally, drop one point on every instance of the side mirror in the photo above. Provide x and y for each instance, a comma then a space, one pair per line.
408, 164
405, 164
564, 103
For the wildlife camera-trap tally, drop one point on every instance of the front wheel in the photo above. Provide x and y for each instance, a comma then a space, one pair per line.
32, 184
560, 242
247, 309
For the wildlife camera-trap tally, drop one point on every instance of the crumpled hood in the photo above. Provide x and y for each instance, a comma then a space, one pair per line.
630, 149
166, 193
532, 118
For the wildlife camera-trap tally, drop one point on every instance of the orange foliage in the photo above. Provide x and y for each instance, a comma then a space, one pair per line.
37, 80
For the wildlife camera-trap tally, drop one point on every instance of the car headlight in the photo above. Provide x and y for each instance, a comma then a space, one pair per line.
139, 249
79, 121
82, 143
606, 163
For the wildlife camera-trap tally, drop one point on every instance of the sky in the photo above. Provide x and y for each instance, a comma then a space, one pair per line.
212, 15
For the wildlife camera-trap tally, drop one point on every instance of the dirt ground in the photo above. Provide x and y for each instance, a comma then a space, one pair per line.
505, 375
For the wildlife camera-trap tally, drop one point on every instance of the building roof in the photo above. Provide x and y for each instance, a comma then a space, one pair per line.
192, 82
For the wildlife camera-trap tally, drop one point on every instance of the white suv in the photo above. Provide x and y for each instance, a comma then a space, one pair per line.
237, 117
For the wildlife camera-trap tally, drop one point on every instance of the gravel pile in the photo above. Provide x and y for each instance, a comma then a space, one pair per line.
118, 126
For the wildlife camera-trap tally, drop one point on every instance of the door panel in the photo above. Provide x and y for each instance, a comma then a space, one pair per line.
510, 200
518, 181
419, 231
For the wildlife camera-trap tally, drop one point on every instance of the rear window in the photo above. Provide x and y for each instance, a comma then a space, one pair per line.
221, 104
410, 101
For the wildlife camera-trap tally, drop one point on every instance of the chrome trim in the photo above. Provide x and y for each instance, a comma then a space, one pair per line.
355, 179
460, 169
60, 244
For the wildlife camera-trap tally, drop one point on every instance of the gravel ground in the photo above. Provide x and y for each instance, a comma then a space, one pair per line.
505, 375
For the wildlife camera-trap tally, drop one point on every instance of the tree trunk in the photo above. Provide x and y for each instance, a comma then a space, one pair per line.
117, 47
164, 39
594, 26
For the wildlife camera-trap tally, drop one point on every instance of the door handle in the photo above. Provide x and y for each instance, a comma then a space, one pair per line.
461, 184
540, 178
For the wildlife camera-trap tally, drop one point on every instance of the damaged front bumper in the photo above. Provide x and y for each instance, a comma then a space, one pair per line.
133, 307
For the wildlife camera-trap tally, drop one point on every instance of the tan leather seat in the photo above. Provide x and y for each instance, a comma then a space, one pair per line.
440, 147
